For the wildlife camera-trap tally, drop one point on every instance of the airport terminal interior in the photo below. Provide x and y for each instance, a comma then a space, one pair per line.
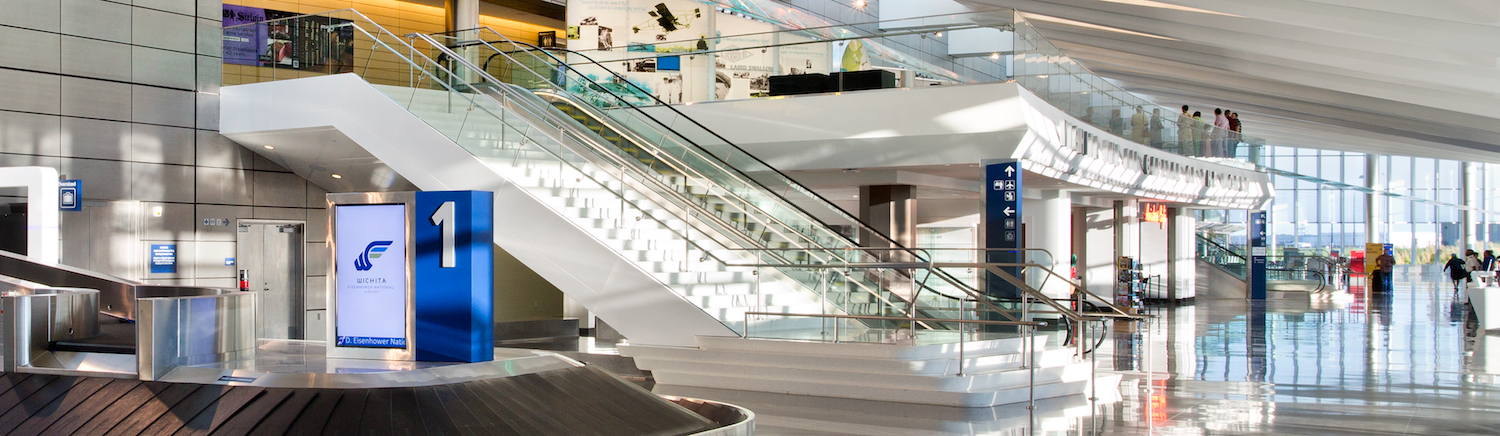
749, 217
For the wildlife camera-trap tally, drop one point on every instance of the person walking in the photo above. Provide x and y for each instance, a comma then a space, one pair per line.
1488, 265
1220, 132
1456, 271
1116, 123
1201, 130
1184, 131
1138, 125
1385, 265
1156, 126
1234, 134
1471, 264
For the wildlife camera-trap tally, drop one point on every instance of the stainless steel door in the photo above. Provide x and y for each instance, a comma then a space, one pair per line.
270, 260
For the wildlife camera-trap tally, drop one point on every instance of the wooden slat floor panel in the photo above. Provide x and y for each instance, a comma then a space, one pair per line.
574, 401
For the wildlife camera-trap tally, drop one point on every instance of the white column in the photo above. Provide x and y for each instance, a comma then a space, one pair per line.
1052, 230
1374, 204
41, 209
1182, 280
1127, 228
1467, 237
465, 14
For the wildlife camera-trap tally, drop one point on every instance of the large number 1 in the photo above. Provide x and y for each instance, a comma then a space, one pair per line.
444, 218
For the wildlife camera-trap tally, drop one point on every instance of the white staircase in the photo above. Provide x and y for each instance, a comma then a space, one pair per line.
994, 371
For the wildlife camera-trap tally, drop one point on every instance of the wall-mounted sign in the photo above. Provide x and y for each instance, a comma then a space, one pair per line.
1002, 222
1154, 213
70, 195
163, 258
371, 276
455, 276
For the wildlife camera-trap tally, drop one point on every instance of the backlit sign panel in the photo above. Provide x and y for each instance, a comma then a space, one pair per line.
371, 276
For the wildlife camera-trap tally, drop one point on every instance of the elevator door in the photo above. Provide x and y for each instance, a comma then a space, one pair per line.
269, 257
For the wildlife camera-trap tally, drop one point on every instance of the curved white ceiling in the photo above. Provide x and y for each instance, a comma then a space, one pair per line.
1383, 76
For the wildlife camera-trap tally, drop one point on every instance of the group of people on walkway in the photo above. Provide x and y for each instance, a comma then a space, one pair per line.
1195, 136
1471, 267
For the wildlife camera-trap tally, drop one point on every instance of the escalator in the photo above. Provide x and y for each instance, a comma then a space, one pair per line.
658, 226
1221, 266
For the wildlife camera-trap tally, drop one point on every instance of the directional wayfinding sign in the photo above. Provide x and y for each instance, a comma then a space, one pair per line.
1002, 222
1257, 276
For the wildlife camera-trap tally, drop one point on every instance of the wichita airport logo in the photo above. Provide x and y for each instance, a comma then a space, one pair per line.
372, 251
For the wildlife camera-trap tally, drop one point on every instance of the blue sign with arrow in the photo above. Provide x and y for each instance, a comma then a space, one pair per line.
1002, 222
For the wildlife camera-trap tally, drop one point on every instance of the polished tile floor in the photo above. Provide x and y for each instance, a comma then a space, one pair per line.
1406, 363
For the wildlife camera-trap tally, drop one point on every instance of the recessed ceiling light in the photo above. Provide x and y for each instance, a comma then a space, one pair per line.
270, 147
336, 176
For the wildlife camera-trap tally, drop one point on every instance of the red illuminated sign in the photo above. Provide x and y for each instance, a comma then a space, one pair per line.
1154, 213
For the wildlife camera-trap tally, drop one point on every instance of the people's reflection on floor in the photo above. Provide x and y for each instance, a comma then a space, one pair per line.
1127, 340
1381, 304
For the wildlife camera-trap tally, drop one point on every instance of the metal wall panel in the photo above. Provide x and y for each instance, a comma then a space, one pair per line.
27, 160
210, 74
96, 139
175, 222
210, 259
317, 222
215, 150
95, 99
185, 7
29, 49
220, 233
163, 30
280, 189
29, 92
162, 106
95, 58
224, 186
163, 68
213, 9
260, 163
317, 259
280, 213
208, 111
30, 133
102, 179
160, 182
96, 19
316, 290
31, 14
316, 325
162, 144
211, 37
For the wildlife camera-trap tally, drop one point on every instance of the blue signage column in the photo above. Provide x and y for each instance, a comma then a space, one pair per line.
1256, 274
1002, 223
454, 289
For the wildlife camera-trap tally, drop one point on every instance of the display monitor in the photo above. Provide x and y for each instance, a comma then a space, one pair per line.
371, 276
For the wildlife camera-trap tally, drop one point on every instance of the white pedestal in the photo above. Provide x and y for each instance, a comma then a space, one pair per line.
1486, 303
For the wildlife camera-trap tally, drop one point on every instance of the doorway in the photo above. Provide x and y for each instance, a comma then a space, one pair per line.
269, 258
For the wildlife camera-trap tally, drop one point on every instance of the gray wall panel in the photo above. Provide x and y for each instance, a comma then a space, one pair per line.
102, 179
95, 58
210, 74
186, 267
316, 259
163, 68
215, 150
161, 144
220, 233
224, 186
210, 259
208, 111
162, 106
30, 133
95, 99
29, 49
96, 19
280, 213
280, 189
96, 139
260, 163
163, 30
315, 292
317, 225
211, 9
185, 7
175, 222
162, 182
31, 14
29, 160
30, 92
211, 37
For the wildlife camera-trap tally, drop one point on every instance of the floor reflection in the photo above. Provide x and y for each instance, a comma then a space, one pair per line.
1411, 362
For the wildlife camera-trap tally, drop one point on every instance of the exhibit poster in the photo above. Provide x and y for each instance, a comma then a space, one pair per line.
598, 24
744, 62
371, 280
850, 55
322, 44
810, 58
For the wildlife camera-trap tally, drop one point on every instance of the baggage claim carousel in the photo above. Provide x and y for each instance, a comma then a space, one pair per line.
88, 354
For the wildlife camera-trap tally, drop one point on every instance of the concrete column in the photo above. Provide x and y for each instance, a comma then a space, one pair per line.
1096, 263
1466, 234
1182, 258
462, 14
1127, 228
1052, 230
1374, 204
889, 209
